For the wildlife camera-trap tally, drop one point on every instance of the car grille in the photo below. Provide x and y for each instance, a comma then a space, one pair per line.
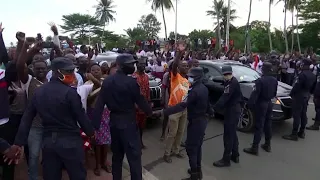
155, 93
286, 101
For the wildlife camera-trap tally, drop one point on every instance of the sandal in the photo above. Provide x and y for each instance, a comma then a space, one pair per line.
97, 172
179, 155
167, 159
107, 168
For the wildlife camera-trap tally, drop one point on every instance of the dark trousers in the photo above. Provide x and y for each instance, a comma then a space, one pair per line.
195, 135
62, 151
316, 101
299, 114
126, 142
289, 79
230, 137
8, 132
263, 122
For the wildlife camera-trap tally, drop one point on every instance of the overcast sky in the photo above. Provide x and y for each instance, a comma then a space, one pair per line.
32, 16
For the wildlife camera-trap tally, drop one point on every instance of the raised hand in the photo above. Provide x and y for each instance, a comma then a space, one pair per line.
21, 36
1, 28
53, 28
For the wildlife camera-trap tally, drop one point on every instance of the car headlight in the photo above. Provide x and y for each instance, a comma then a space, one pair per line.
276, 101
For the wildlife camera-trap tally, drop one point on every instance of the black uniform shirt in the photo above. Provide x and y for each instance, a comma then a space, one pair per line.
60, 108
316, 91
4, 145
120, 93
231, 96
197, 103
264, 90
303, 84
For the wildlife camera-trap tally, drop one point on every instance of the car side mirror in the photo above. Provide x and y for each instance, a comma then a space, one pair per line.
218, 79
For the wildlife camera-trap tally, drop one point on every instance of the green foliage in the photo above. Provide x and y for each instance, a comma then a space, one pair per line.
150, 24
104, 11
135, 34
80, 25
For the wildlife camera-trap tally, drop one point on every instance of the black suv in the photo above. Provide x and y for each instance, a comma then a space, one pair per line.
246, 76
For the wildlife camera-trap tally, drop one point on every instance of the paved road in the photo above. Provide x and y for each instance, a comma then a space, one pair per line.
289, 160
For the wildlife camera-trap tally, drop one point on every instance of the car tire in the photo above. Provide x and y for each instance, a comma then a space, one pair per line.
246, 120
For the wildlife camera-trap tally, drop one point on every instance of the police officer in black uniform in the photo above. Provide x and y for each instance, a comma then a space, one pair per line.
60, 108
120, 92
316, 100
197, 104
230, 102
300, 95
260, 102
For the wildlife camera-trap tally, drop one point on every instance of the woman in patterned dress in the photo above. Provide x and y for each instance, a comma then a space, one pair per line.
103, 137
143, 81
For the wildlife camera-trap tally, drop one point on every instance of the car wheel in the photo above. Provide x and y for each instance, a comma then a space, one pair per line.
246, 121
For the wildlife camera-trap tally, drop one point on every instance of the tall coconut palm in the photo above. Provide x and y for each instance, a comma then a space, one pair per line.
157, 5
269, 25
105, 13
247, 47
293, 5
285, 23
215, 13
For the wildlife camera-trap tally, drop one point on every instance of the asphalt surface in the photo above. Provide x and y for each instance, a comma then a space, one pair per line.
288, 160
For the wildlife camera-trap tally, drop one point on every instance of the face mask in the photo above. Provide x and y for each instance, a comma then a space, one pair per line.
128, 69
68, 79
191, 80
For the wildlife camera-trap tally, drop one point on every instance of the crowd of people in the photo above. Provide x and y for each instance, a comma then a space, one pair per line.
72, 104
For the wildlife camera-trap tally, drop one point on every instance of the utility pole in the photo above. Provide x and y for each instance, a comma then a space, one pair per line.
228, 25
176, 24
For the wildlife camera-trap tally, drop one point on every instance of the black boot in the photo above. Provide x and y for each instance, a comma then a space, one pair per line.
252, 150
314, 127
292, 137
222, 163
194, 175
235, 159
266, 147
301, 134
199, 171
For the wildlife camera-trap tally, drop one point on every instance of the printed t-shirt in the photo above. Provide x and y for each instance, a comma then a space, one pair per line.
179, 87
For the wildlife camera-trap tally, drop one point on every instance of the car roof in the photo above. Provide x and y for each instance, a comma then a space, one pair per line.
220, 62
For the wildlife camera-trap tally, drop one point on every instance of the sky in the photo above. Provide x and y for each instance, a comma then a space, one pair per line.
33, 16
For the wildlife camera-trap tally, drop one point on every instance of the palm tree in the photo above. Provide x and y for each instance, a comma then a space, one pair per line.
294, 5
247, 38
269, 25
216, 14
161, 5
285, 23
224, 17
105, 13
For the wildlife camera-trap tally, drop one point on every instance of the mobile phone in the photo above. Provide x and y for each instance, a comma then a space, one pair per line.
47, 44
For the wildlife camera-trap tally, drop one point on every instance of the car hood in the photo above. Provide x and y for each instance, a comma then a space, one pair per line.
283, 89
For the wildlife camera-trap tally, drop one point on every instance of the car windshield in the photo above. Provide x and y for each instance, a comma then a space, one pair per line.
244, 74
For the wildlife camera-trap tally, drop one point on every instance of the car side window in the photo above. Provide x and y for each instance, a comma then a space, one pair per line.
210, 72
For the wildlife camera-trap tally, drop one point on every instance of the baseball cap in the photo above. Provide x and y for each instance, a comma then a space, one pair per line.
62, 63
125, 59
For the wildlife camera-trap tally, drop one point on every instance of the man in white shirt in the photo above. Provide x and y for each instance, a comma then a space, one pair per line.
83, 51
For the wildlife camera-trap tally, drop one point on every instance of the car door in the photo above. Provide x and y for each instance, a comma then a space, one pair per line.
215, 88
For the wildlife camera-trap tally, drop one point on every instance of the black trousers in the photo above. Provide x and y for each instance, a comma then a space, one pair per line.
299, 114
8, 132
263, 122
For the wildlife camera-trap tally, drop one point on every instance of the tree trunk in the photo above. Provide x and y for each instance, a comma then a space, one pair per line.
285, 26
164, 22
292, 35
247, 47
269, 26
218, 29
297, 30
104, 26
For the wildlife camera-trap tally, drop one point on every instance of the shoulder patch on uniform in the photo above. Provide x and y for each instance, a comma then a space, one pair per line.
227, 89
254, 87
318, 79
